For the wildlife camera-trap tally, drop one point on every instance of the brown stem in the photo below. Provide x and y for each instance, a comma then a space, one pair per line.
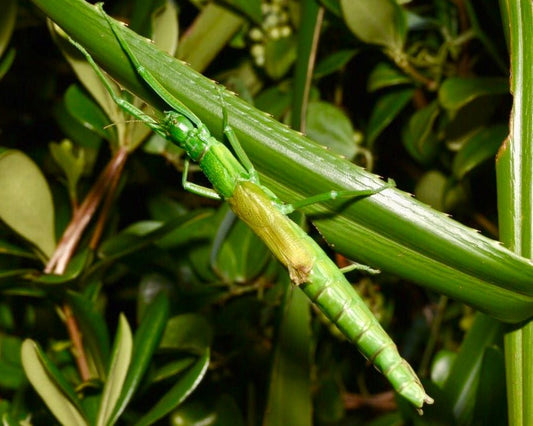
76, 339
110, 195
382, 401
83, 215
69, 241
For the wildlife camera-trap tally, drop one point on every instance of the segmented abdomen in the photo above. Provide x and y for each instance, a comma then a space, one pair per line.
337, 299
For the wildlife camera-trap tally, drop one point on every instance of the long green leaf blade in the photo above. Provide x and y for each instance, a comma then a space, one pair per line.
120, 362
515, 200
57, 395
179, 392
145, 343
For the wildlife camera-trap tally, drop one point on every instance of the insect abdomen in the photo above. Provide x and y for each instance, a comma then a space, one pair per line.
337, 299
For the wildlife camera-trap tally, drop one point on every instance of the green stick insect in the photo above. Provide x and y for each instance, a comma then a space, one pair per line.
235, 180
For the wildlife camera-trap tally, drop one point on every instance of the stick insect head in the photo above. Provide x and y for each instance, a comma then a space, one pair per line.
183, 132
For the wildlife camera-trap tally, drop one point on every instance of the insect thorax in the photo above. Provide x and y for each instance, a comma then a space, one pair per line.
185, 134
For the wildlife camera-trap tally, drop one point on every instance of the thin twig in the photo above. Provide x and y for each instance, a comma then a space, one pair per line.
83, 215
77, 343
69, 241
109, 197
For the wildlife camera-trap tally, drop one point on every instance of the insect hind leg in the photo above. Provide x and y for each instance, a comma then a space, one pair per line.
234, 141
336, 195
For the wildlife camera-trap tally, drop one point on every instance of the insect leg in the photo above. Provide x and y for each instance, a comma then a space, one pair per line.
194, 188
234, 141
354, 266
121, 102
334, 195
145, 74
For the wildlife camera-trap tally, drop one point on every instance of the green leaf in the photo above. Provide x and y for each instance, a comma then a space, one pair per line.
280, 55
329, 126
228, 412
418, 136
49, 384
164, 208
385, 75
478, 148
334, 62
250, 8
73, 271
70, 162
187, 332
380, 22
242, 255
172, 368
212, 30
441, 366
194, 413
90, 81
157, 19
7, 248
491, 407
142, 14
12, 376
275, 100
145, 343
165, 27
74, 130
333, 6
6, 62
120, 362
456, 92
142, 234
179, 392
93, 329
385, 111
431, 189
25, 200
88, 113
462, 382
289, 397
7, 24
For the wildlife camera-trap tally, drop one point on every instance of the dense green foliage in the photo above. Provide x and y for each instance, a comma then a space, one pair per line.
122, 303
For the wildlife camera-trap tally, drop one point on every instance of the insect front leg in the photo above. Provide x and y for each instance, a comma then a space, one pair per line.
203, 191
121, 102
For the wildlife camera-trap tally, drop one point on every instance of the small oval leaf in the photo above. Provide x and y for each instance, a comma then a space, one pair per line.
386, 110
280, 54
334, 62
25, 200
385, 75
380, 22
418, 136
187, 332
80, 106
329, 126
478, 148
458, 91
